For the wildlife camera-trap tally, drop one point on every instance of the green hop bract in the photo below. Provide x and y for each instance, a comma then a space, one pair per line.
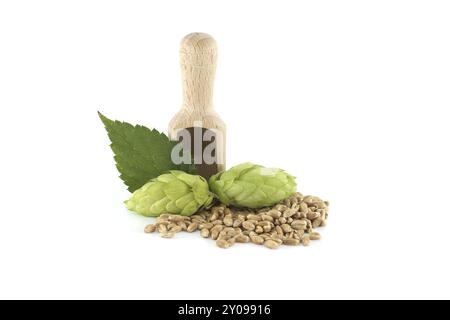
175, 192
252, 186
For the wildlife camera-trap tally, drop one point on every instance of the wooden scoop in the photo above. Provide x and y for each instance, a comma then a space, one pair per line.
198, 57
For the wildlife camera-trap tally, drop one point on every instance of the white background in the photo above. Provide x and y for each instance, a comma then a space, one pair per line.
352, 97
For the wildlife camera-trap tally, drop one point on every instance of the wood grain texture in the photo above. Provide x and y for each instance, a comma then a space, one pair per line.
198, 60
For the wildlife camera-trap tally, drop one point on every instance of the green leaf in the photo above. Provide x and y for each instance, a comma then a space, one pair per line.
141, 154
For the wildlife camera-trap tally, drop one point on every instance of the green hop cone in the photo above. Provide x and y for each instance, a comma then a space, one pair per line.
252, 186
175, 192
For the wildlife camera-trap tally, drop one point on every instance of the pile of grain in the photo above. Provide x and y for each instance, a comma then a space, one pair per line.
291, 222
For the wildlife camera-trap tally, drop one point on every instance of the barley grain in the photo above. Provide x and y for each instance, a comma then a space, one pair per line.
150, 228
271, 244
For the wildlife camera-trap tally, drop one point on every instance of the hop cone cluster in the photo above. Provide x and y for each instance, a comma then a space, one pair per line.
175, 192
252, 186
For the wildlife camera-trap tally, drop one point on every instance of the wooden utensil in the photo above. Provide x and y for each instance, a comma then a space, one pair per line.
197, 125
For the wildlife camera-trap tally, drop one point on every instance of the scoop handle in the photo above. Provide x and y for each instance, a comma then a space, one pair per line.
198, 59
